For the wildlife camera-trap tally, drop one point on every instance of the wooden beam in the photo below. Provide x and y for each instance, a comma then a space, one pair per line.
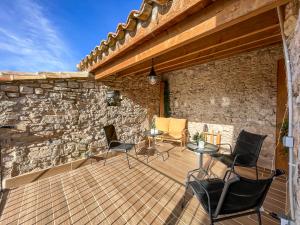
238, 41
215, 18
246, 30
223, 54
219, 55
162, 99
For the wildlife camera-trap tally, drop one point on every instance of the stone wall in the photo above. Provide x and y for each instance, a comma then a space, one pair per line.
292, 32
60, 120
230, 95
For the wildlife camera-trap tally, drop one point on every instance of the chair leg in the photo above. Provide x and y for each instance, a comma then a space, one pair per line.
256, 172
106, 156
211, 220
135, 152
259, 218
184, 195
128, 159
149, 142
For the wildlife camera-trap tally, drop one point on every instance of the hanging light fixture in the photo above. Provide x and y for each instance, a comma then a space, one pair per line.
152, 77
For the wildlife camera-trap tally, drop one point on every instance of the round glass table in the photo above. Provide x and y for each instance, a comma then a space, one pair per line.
152, 144
208, 149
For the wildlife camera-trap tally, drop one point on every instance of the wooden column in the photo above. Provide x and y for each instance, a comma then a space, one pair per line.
162, 100
281, 160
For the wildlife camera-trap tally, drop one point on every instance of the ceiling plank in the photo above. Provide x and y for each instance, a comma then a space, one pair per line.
213, 19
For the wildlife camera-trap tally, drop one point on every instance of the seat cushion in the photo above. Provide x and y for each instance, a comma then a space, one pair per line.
242, 160
162, 124
213, 186
177, 126
176, 136
118, 146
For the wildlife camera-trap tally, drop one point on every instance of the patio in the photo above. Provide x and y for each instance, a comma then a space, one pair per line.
113, 194
215, 64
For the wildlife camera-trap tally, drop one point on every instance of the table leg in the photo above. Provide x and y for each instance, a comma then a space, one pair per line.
201, 160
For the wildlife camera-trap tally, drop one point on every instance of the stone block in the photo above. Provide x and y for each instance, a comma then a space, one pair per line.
73, 84
46, 86
9, 88
55, 95
12, 95
26, 90
38, 91
88, 85
81, 147
61, 84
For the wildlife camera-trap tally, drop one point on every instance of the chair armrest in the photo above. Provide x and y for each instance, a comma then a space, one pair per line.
192, 172
230, 147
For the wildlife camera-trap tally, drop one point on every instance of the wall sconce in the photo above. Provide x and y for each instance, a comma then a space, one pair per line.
113, 98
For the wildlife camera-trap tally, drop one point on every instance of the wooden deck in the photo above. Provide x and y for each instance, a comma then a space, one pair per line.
115, 194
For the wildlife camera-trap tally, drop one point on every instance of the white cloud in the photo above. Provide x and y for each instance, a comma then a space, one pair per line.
29, 41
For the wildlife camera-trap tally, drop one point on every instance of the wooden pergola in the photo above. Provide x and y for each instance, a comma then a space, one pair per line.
202, 31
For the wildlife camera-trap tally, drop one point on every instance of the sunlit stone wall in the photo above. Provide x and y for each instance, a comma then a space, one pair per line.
60, 120
229, 95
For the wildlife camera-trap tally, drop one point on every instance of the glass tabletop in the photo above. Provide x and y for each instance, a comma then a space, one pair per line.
208, 148
153, 133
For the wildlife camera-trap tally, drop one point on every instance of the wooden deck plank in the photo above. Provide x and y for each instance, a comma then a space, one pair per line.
13, 206
77, 211
114, 194
28, 211
44, 212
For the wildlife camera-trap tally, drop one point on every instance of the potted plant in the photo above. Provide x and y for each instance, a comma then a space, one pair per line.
199, 139
153, 127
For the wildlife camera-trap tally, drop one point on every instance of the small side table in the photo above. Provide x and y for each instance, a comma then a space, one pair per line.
208, 149
152, 147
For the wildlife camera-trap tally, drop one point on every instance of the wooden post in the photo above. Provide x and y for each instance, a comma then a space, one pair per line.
162, 100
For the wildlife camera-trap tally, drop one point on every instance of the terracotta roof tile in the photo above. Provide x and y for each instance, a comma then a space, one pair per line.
112, 38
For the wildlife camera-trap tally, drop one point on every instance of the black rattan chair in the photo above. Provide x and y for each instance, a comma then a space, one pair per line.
246, 151
236, 197
114, 145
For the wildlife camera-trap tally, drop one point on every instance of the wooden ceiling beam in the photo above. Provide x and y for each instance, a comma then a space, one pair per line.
230, 51
218, 16
256, 35
245, 29
218, 54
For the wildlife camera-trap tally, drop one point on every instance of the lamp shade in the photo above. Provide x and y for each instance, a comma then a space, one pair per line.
152, 77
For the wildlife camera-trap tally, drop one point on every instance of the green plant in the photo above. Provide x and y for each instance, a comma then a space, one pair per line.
153, 126
198, 137
284, 132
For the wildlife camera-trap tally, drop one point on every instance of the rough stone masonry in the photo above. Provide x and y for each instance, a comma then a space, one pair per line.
59, 120
229, 95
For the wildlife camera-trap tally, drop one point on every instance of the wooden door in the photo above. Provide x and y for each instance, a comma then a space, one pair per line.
281, 160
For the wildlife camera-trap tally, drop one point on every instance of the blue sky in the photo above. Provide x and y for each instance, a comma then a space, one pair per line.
54, 35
